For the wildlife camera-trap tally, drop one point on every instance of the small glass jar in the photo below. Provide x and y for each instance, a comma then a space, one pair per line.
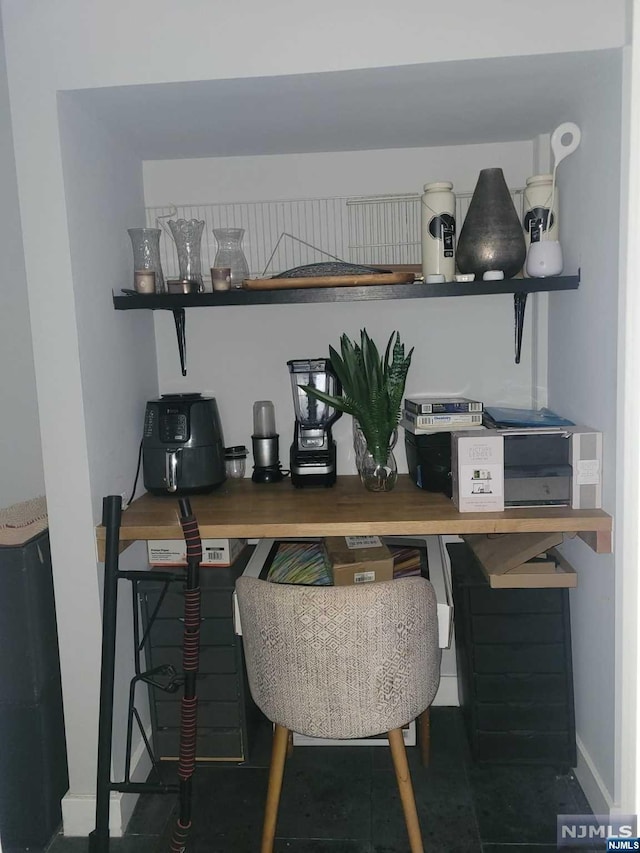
235, 461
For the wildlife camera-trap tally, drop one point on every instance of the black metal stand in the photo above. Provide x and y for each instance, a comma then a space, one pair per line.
162, 677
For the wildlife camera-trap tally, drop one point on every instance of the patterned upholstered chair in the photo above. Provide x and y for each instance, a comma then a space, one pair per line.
340, 662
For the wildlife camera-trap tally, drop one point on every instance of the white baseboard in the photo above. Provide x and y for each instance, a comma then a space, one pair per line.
79, 810
591, 782
447, 691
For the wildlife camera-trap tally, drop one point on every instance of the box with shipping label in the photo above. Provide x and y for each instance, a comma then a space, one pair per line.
215, 552
477, 471
358, 559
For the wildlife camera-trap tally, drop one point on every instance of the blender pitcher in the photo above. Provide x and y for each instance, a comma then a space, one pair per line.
313, 452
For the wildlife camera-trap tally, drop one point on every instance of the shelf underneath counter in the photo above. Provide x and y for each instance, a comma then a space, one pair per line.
243, 509
415, 290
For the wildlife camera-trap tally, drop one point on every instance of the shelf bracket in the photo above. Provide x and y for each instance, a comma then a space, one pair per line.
179, 319
519, 304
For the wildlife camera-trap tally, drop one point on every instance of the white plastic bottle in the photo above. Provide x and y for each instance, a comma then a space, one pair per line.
438, 230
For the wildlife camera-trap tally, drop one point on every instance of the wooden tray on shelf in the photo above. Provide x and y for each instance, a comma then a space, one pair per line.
328, 281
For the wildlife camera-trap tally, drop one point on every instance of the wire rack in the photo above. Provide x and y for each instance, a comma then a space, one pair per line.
282, 234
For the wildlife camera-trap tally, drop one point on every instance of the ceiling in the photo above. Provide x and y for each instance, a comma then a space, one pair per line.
425, 105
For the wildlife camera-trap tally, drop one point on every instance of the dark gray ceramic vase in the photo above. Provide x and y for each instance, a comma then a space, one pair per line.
491, 236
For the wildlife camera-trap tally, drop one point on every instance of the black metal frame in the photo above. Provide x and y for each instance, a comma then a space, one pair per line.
162, 677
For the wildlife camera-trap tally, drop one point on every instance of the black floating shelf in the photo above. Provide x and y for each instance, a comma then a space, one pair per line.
417, 290
519, 287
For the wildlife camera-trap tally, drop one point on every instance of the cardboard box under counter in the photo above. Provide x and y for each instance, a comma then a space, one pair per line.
216, 553
358, 559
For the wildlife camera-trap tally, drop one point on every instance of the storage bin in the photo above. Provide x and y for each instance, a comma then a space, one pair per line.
33, 757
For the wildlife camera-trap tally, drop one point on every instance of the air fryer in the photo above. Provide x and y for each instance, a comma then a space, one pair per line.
182, 445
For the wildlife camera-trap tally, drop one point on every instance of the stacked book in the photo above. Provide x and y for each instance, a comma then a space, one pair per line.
422, 414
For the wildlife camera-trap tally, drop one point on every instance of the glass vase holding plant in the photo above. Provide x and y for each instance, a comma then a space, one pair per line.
372, 392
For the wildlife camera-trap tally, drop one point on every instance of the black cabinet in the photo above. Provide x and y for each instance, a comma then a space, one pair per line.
513, 649
226, 712
33, 754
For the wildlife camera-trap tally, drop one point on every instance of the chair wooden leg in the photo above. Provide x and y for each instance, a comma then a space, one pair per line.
276, 771
290, 745
403, 777
424, 737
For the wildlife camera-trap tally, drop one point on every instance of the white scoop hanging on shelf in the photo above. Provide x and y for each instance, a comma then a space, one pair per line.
544, 257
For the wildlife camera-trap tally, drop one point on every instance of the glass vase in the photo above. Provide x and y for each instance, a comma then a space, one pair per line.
359, 444
187, 235
377, 474
230, 254
146, 252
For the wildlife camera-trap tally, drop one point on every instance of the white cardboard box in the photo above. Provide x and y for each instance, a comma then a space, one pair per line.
477, 471
215, 552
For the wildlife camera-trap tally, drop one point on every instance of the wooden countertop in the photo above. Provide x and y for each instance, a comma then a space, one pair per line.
242, 509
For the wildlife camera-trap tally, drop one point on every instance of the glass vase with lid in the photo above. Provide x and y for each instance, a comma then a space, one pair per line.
230, 254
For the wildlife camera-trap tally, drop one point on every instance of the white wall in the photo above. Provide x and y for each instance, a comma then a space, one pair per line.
240, 354
627, 486
20, 453
103, 190
343, 173
104, 197
81, 45
58, 46
582, 384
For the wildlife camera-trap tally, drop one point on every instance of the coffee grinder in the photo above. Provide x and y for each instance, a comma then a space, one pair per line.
313, 452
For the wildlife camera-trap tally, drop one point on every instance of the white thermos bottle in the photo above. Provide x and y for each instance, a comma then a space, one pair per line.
438, 229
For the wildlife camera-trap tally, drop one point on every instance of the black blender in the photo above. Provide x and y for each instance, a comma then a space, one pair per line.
313, 452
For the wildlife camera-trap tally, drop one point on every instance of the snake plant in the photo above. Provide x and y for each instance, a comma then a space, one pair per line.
372, 387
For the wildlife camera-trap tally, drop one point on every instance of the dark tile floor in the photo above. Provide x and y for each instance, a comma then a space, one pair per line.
344, 800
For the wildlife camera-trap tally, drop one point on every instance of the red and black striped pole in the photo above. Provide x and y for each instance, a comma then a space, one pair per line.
190, 663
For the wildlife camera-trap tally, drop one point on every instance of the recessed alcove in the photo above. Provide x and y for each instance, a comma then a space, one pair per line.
372, 130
